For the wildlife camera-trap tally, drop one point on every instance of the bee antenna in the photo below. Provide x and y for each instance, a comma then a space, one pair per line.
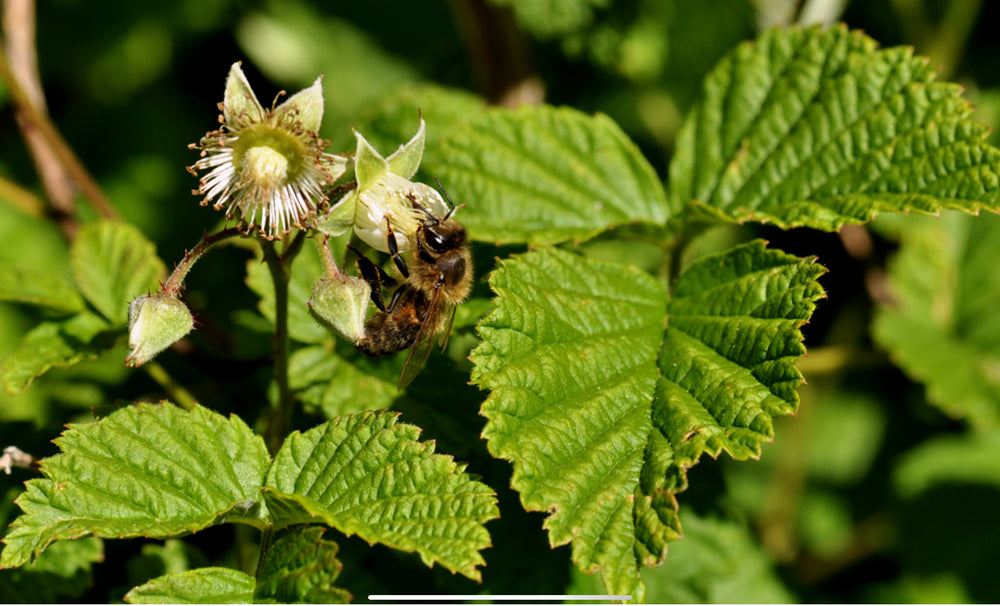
451, 205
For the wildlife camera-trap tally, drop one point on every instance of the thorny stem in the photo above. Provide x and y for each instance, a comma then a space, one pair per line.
175, 282
175, 391
330, 269
280, 418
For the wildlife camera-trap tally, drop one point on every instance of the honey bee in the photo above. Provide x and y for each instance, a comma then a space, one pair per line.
437, 277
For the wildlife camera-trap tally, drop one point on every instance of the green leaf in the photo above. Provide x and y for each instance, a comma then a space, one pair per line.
602, 411
144, 470
54, 344
392, 120
728, 358
544, 175
949, 460
806, 127
199, 586
113, 263
38, 288
569, 355
336, 385
368, 475
301, 567
306, 270
942, 327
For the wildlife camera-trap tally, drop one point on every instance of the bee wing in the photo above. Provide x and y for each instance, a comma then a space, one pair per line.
446, 329
422, 344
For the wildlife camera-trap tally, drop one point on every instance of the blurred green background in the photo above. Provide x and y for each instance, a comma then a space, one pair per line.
871, 494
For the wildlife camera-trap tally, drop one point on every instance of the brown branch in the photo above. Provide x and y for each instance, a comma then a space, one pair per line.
60, 171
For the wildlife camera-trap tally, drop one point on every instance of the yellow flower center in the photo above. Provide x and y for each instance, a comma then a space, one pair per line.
268, 166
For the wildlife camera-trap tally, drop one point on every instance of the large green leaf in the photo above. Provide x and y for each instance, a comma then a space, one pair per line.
544, 175
820, 128
728, 358
368, 475
950, 460
601, 410
114, 263
569, 354
53, 344
198, 586
942, 327
38, 288
144, 470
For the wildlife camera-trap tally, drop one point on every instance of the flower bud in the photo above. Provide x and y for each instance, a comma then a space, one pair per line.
155, 322
340, 303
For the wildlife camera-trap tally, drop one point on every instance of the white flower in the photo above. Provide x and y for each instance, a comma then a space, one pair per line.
385, 196
267, 166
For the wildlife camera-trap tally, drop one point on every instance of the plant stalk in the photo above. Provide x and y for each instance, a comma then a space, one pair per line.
280, 418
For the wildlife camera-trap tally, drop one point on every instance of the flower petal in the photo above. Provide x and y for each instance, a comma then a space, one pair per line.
240, 105
406, 160
306, 106
369, 165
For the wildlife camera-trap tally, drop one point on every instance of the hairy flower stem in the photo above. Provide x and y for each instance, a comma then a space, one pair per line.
280, 418
330, 269
175, 391
175, 282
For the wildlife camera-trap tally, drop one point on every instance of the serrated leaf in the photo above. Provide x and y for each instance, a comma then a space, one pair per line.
728, 358
544, 175
569, 354
198, 586
38, 288
300, 568
113, 263
144, 470
805, 127
365, 474
305, 271
598, 436
335, 385
942, 327
54, 344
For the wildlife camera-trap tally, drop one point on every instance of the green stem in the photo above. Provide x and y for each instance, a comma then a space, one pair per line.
266, 539
330, 269
175, 282
175, 391
279, 421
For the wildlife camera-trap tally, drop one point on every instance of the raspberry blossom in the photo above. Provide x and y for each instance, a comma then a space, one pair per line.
266, 167
385, 195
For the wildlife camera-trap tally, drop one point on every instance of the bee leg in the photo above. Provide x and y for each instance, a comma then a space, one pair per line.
394, 250
374, 276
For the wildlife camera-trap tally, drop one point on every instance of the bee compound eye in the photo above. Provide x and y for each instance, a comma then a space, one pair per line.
437, 241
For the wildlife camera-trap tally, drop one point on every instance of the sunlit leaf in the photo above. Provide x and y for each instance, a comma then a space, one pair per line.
144, 470
602, 411
821, 128
367, 474
38, 288
544, 175
300, 567
198, 586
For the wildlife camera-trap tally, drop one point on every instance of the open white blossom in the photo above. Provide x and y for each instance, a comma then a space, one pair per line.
266, 167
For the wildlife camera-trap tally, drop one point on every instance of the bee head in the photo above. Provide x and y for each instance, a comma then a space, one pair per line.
442, 236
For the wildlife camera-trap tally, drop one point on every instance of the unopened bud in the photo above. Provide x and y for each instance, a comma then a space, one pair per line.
155, 322
340, 303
